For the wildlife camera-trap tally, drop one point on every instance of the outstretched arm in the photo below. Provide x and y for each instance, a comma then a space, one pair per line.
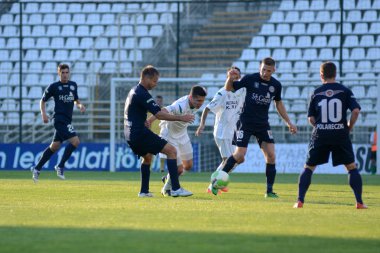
162, 115
232, 75
284, 115
203, 121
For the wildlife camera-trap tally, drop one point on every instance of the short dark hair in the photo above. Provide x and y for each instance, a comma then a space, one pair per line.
268, 61
234, 67
198, 91
328, 70
149, 71
159, 97
63, 66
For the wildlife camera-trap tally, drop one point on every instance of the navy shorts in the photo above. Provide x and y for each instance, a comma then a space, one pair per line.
319, 153
244, 133
148, 142
63, 131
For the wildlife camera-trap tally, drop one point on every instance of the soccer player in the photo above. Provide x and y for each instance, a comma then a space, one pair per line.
328, 115
65, 94
176, 132
227, 107
261, 89
142, 140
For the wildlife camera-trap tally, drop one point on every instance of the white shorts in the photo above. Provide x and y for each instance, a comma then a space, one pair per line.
225, 147
184, 151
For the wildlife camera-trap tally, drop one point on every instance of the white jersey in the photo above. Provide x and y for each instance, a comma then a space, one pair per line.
177, 130
227, 107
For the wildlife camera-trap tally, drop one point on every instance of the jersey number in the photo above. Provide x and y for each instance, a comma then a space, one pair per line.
331, 110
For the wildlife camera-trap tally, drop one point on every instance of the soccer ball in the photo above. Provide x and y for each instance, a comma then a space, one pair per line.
220, 179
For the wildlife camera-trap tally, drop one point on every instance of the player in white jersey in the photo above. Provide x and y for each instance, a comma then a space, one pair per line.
176, 132
226, 105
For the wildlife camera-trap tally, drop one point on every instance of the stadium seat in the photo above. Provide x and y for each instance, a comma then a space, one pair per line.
284, 66
61, 55
334, 41
310, 54
307, 17
367, 41
366, 105
74, 8
108, 19
273, 119
28, 118
361, 28
372, 92
5, 67
364, 66
252, 67
257, 42
298, 106
302, 119
47, 79
375, 28
307, 92
301, 5
35, 67
267, 29
351, 41
31, 79
317, 5
64, 19
101, 43
370, 16
52, 31
292, 92
262, 53
166, 19
286, 5
146, 43
353, 15
292, 17
298, 29
46, 55
57, 43
373, 53
5, 91
156, 30
283, 29
329, 28
279, 54
35, 19
314, 29
319, 42
300, 66
357, 54
332, 5
13, 118
370, 120
104, 8
126, 31
88, 8
31, 55
78, 19
117, 7
288, 42
304, 41
326, 54
13, 43
35, 92
93, 19
82, 31
97, 30
294, 54
273, 42
248, 54
348, 66
359, 91
83, 92
277, 17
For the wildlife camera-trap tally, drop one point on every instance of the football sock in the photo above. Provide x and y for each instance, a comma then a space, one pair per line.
145, 175
270, 172
356, 184
44, 158
220, 167
173, 172
230, 163
66, 155
304, 183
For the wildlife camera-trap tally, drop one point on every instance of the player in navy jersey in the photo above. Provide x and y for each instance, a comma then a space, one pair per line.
328, 115
261, 89
65, 94
142, 140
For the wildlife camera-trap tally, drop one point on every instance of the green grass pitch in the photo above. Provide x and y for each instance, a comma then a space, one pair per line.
100, 212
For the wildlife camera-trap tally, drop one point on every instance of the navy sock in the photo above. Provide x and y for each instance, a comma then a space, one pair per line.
66, 155
304, 183
44, 158
356, 184
270, 172
173, 172
145, 176
229, 165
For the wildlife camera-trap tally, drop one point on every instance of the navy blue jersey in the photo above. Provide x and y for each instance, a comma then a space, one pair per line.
64, 95
137, 104
258, 97
328, 105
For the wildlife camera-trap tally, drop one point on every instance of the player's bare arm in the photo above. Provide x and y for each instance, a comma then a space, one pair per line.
80, 106
284, 115
353, 119
161, 115
44, 116
202, 123
232, 75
